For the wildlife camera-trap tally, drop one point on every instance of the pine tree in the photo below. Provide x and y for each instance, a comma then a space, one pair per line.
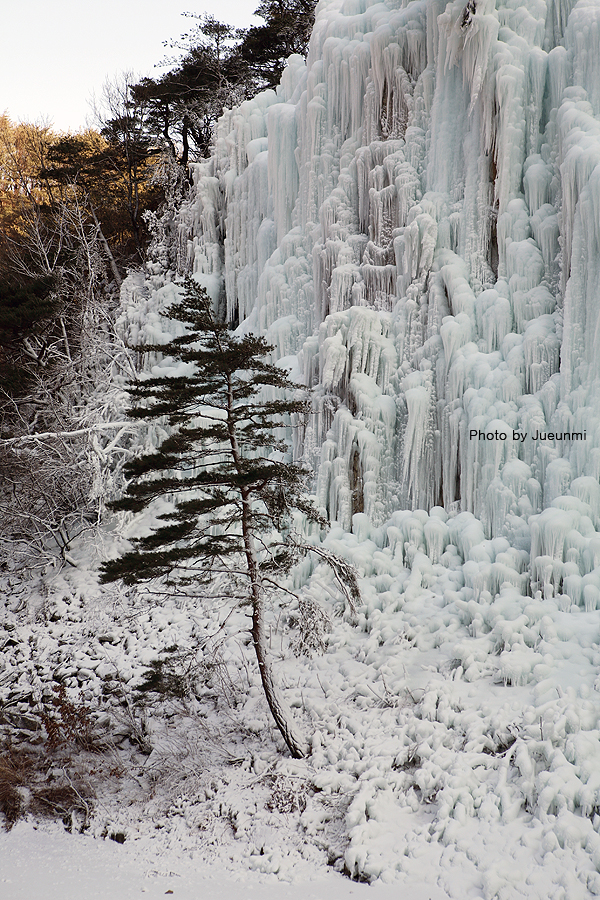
221, 66
223, 464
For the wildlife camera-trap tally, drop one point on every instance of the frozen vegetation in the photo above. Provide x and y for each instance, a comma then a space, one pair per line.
412, 220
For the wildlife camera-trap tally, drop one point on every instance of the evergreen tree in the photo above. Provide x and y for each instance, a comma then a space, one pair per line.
223, 463
221, 66
265, 49
124, 124
26, 307
185, 103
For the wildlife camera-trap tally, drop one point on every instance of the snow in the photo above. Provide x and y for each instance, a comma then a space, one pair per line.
454, 723
43, 861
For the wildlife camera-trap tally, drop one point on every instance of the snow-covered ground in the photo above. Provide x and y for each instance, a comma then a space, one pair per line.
454, 743
40, 862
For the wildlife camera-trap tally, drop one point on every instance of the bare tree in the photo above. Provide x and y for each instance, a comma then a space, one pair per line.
61, 438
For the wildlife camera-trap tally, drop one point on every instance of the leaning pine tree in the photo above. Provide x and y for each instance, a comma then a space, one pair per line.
223, 464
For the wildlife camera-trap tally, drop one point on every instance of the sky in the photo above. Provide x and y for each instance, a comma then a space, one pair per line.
57, 55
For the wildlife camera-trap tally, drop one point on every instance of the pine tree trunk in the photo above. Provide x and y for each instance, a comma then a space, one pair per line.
281, 712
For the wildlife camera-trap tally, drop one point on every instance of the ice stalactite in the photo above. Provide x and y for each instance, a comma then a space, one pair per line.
357, 358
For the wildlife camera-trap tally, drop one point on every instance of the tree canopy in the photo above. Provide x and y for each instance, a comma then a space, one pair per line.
221, 65
223, 460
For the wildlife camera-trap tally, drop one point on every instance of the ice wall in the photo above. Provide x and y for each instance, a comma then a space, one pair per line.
415, 213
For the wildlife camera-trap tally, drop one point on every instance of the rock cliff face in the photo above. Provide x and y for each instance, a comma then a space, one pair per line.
414, 214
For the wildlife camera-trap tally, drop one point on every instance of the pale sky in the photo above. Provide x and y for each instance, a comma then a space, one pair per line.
57, 53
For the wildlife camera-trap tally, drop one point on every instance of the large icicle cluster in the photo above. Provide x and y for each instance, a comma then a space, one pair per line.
415, 213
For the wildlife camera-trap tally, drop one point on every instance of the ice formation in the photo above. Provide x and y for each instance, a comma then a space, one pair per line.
414, 212
415, 215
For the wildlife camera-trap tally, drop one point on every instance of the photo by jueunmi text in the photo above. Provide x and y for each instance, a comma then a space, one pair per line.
520, 436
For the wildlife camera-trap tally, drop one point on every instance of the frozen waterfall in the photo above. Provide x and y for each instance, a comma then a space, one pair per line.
415, 213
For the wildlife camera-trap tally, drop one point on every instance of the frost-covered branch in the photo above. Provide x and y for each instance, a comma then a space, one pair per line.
44, 435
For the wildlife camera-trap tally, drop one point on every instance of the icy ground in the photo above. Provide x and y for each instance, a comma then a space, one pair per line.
455, 741
44, 862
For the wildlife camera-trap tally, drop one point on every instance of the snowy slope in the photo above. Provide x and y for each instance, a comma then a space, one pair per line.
38, 862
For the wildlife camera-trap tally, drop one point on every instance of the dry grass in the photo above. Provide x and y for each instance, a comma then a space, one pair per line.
49, 779
36, 783
12, 778
67, 722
